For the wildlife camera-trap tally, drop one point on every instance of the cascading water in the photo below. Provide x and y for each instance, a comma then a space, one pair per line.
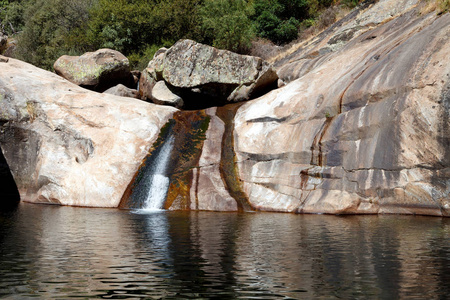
169, 164
157, 183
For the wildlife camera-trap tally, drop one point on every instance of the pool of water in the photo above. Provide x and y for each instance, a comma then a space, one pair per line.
66, 252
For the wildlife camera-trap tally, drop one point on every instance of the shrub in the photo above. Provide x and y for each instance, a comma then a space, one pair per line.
287, 30
48, 24
130, 26
226, 24
11, 17
279, 21
327, 17
136, 28
140, 60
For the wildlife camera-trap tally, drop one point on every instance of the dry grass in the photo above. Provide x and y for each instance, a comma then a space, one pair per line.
334, 14
439, 6
264, 48
328, 17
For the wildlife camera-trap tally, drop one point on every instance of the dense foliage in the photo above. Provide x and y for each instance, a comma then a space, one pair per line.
137, 28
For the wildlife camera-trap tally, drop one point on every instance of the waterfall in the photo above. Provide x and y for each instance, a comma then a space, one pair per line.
157, 183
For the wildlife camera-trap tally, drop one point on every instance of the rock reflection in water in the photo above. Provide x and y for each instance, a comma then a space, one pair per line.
61, 252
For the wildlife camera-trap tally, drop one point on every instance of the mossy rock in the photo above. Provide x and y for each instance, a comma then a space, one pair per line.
97, 71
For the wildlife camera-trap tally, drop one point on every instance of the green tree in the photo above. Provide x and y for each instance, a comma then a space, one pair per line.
47, 25
180, 19
226, 24
121, 25
136, 28
279, 20
11, 16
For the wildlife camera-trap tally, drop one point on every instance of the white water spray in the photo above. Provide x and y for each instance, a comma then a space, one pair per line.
158, 182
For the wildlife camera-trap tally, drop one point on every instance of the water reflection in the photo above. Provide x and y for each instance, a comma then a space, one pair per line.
61, 252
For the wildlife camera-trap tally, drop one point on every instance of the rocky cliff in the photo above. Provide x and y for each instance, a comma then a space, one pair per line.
67, 145
361, 125
364, 128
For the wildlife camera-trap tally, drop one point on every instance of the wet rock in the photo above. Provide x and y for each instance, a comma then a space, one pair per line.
209, 188
97, 70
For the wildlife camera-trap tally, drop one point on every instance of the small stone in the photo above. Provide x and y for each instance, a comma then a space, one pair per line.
161, 94
122, 91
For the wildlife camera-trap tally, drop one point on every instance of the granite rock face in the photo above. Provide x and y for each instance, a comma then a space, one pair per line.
204, 76
366, 130
67, 145
314, 52
97, 70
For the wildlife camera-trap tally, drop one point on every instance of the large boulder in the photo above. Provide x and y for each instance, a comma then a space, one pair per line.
151, 75
67, 145
97, 70
205, 76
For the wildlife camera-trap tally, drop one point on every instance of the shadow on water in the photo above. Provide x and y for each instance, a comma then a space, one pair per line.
66, 252
9, 194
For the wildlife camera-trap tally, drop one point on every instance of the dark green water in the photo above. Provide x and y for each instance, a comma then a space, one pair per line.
64, 252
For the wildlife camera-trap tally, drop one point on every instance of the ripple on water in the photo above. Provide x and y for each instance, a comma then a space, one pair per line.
63, 252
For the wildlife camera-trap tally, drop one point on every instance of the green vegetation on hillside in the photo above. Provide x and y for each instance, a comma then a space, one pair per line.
137, 28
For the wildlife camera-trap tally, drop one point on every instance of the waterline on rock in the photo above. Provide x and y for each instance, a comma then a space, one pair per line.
145, 211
